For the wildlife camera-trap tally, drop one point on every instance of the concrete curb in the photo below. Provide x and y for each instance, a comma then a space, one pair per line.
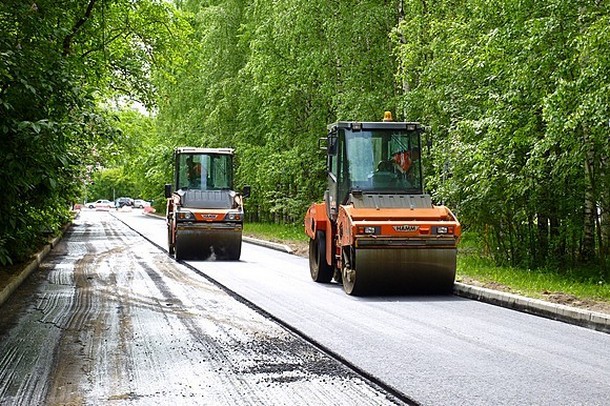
16, 280
572, 315
268, 244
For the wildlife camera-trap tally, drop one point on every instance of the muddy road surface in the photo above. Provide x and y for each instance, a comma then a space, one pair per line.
110, 319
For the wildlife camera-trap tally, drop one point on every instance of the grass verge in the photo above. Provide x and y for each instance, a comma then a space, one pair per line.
534, 283
277, 232
538, 283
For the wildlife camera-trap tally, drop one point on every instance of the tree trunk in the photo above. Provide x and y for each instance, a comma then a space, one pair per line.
605, 202
587, 251
405, 84
67, 43
541, 249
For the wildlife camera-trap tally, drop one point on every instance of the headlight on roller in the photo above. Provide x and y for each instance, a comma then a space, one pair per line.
233, 216
185, 215
369, 230
444, 230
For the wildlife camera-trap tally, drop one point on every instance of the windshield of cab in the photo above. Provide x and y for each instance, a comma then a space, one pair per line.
204, 171
383, 160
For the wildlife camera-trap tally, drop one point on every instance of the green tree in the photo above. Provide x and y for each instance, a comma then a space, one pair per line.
59, 60
267, 80
510, 89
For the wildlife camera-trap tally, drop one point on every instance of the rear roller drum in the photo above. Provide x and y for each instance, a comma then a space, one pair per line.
171, 246
353, 283
192, 247
318, 268
178, 252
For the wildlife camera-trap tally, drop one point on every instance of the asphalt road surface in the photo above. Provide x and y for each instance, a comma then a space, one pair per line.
110, 319
436, 350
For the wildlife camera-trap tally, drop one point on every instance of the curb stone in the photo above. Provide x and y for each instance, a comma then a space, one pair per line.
269, 244
567, 314
16, 280
572, 315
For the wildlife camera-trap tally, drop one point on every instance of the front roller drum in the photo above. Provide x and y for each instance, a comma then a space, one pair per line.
390, 270
201, 244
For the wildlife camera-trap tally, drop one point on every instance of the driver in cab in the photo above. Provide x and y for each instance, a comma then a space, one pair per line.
401, 164
196, 176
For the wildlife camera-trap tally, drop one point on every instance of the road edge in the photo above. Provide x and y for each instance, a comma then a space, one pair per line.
17, 279
567, 314
268, 244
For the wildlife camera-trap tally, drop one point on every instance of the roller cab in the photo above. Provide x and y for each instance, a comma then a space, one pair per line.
204, 213
376, 230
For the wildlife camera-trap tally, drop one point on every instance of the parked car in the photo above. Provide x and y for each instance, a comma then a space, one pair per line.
103, 204
123, 201
140, 204
90, 205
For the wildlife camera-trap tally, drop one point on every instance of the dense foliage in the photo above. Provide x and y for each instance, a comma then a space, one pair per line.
266, 78
59, 60
515, 93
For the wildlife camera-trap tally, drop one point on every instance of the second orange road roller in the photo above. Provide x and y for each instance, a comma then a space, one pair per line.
204, 214
376, 230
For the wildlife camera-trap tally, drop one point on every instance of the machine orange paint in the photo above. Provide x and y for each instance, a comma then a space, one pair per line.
376, 229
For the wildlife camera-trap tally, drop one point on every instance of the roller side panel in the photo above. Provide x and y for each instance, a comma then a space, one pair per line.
315, 219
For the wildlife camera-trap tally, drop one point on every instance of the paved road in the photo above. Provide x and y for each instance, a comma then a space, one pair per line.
110, 319
437, 350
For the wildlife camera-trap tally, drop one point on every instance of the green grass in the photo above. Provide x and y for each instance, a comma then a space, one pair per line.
533, 283
281, 232
577, 282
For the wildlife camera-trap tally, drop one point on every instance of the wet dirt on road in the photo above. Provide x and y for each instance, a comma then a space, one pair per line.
111, 319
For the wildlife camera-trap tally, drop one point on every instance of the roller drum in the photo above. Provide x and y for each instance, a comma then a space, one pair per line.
200, 244
391, 270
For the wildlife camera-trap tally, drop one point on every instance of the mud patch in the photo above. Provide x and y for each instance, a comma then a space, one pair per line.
571, 300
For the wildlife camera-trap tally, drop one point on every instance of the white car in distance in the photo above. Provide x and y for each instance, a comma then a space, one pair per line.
103, 204
140, 204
